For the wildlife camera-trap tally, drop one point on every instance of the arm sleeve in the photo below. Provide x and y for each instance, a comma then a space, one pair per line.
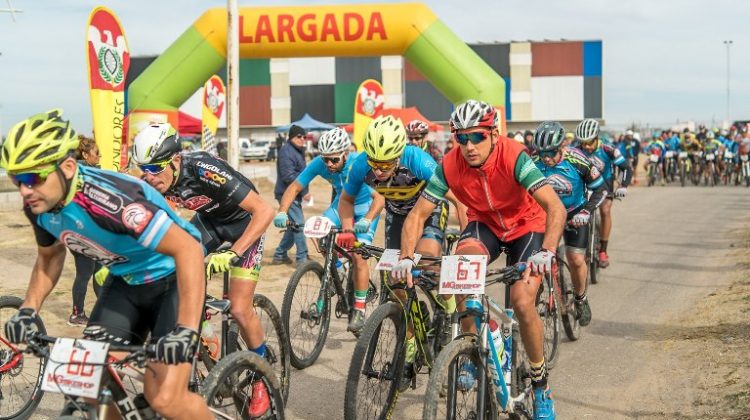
596, 198
527, 174
43, 238
437, 187
311, 171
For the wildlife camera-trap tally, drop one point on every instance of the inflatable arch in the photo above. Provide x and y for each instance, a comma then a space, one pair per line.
408, 29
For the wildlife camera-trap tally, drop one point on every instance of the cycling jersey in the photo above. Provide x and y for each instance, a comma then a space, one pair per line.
604, 157
672, 144
208, 185
691, 145
570, 179
402, 189
498, 193
116, 220
712, 146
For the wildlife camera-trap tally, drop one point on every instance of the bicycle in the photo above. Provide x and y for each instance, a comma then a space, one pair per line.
472, 371
697, 167
592, 248
710, 174
72, 366
306, 308
652, 169
684, 167
745, 165
20, 375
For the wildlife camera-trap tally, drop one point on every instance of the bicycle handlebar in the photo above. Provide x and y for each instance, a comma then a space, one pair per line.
37, 344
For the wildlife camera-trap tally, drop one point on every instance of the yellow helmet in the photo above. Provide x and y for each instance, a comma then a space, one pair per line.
42, 138
385, 139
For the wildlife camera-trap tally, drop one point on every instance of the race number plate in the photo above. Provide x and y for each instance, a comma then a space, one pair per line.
728, 155
389, 259
463, 274
317, 227
654, 158
75, 367
670, 154
710, 156
683, 155
743, 158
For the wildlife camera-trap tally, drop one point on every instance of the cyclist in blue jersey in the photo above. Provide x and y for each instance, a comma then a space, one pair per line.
227, 208
333, 164
399, 172
571, 175
604, 157
155, 258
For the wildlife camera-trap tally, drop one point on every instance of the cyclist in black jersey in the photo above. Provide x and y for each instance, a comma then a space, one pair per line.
158, 285
227, 208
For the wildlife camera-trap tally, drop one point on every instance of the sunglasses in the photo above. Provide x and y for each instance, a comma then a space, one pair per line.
475, 137
547, 153
154, 168
382, 166
32, 179
416, 138
333, 160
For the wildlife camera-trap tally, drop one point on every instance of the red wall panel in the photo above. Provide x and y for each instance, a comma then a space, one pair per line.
255, 105
411, 74
556, 59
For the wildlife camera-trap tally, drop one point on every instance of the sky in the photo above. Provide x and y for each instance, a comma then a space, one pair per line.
664, 61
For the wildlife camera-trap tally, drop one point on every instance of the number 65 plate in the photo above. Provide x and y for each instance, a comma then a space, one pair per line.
463, 274
75, 367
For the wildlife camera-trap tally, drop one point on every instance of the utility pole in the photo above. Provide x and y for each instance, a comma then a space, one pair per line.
233, 91
728, 43
11, 10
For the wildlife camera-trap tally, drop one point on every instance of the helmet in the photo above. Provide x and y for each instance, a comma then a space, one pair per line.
570, 135
334, 141
724, 133
636, 136
472, 114
42, 138
155, 143
629, 133
710, 135
417, 127
385, 138
588, 130
549, 136
518, 138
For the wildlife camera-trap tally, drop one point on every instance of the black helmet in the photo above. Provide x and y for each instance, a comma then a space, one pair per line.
549, 136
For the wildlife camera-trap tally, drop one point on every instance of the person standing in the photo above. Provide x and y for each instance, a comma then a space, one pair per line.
289, 164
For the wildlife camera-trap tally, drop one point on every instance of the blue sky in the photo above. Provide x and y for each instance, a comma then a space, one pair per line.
663, 60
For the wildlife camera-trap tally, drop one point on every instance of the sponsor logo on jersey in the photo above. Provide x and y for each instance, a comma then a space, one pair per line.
562, 186
598, 163
214, 169
191, 203
212, 176
104, 199
136, 217
88, 248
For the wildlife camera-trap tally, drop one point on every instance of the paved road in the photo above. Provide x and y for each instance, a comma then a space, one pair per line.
666, 251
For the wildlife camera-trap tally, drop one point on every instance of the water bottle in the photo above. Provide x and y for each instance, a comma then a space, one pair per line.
507, 332
498, 355
210, 339
475, 302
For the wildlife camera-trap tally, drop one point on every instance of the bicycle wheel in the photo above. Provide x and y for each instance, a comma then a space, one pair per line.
447, 397
593, 249
520, 380
304, 318
228, 389
375, 370
277, 350
20, 388
567, 309
546, 306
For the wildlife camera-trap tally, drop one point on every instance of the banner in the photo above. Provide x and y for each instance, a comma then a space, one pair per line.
368, 104
213, 105
108, 63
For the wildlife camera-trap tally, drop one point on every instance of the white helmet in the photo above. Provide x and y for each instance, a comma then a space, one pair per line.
155, 143
636, 136
333, 141
587, 130
473, 114
629, 133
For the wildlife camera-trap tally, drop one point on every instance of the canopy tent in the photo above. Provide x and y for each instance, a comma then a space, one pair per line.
406, 115
308, 123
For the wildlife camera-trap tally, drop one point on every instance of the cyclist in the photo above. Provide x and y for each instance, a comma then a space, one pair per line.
656, 147
333, 164
672, 144
712, 146
417, 131
633, 146
507, 198
227, 208
158, 283
604, 156
571, 175
399, 172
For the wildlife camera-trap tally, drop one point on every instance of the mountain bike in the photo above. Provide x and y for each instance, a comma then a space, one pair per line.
472, 377
652, 169
79, 369
684, 167
710, 174
697, 172
306, 308
729, 168
20, 375
670, 165
592, 248
745, 165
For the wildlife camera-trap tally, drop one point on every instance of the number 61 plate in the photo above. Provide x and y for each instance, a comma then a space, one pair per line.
75, 367
463, 274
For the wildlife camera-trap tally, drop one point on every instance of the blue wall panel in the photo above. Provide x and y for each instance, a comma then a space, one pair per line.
592, 58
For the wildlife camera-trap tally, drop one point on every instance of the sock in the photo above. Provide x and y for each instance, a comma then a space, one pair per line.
450, 304
411, 350
581, 297
261, 350
538, 374
360, 299
603, 246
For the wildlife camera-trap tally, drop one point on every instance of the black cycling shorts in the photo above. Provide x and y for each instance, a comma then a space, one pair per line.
609, 184
434, 226
130, 313
214, 235
518, 250
576, 237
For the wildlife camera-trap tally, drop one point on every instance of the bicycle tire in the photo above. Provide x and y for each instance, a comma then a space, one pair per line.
548, 311
227, 374
393, 368
442, 378
569, 318
594, 249
520, 379
299, 358
277, 350
30, 401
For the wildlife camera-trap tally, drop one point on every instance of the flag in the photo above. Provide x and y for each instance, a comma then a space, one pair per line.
213, 105
368, 104
108, 63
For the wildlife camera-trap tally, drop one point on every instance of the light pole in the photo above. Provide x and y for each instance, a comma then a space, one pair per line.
728, 43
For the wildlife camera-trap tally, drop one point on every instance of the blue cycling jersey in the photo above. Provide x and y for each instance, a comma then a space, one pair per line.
116, 220
317, 167
672, 144
571, 177
604, 157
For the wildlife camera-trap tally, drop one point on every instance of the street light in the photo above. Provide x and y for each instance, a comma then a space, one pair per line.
728, 43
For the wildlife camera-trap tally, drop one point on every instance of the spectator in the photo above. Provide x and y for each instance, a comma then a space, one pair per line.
289, 164
87, 154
